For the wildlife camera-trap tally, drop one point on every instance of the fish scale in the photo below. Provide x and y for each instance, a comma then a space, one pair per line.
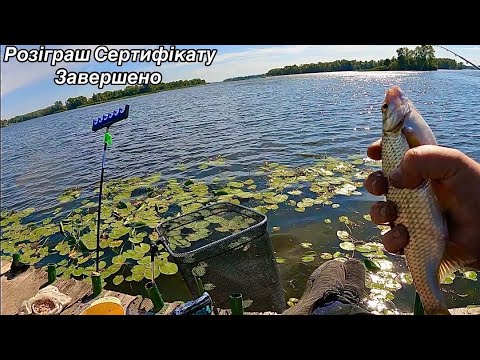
419, 212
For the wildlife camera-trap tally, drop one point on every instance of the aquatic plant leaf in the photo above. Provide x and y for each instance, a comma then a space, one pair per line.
138, 276
367, 217
470, 275
280, 198
306, 245
208, 287
335, 206
371, 265
117, 243
199, 270
78, 271
326, 256
156, 273
118, 232
364, 248
168, 268
307, 259
280, 260
118, 279
347, 245
343, 235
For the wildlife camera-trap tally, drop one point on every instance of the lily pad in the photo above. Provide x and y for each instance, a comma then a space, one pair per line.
327, 221
470, 275
367, 217
364, 248
306, 245
280, 260
208, 286
347, 245
142, 248
118, 279
343, 235
326, 256
371, 265
119, 259
307, 259
138, 276
168, 268
292, 302
335, 206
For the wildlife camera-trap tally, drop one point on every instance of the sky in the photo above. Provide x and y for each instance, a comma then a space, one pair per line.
25, 87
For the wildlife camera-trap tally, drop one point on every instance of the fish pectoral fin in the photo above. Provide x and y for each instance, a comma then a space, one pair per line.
455, 259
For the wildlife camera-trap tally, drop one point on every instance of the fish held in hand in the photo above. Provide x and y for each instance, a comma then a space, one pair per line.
417, 209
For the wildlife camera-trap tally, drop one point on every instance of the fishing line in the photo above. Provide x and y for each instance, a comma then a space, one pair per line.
461, 57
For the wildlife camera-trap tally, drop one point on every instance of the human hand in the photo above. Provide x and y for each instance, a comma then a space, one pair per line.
455, 179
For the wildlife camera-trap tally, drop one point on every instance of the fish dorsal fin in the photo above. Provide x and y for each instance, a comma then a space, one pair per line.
453, 260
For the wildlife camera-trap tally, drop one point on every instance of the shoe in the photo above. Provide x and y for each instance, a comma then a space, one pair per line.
354, 289
326, 282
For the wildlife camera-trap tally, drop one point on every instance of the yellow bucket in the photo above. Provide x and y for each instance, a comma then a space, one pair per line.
108, 305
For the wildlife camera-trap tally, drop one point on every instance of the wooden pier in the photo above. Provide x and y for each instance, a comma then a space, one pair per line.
15, 290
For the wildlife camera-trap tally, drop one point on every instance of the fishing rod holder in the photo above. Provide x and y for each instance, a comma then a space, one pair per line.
98, 123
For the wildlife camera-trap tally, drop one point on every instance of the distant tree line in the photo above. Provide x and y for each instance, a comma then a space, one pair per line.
245, 77
75, 102
422, 58
445, 63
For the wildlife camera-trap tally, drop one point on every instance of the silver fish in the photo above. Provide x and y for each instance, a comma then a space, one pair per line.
417, 209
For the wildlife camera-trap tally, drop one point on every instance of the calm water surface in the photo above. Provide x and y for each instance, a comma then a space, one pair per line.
288, 119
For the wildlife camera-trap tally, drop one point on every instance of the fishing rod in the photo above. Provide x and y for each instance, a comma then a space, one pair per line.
101, 122
461, 57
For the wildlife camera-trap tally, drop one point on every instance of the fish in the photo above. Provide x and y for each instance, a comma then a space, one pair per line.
417, 209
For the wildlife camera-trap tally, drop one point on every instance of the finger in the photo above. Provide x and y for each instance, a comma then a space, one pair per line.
396, 239
374, 151
427, 162
383, 212
376, 183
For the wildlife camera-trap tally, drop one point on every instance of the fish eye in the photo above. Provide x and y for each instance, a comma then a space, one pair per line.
385, 106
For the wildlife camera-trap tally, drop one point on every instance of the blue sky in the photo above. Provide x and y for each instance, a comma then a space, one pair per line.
29, 86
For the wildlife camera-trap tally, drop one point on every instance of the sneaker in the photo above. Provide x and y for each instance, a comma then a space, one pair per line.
325, 283
354, 289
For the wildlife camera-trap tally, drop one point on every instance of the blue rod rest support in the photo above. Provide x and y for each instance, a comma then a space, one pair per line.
110, 118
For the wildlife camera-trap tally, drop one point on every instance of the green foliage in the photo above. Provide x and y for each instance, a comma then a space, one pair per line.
421, 58
245, 77
75, 102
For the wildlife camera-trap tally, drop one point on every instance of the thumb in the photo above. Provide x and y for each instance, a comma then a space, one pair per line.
427, 162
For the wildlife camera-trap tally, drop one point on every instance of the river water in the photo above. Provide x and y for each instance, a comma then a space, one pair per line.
288, 119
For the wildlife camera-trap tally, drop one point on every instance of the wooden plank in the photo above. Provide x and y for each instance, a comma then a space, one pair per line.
465, 311
20, 288
5, 266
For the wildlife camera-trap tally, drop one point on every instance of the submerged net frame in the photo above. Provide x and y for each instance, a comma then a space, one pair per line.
240, 261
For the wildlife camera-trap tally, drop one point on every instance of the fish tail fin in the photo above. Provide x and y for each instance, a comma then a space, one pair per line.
454, 259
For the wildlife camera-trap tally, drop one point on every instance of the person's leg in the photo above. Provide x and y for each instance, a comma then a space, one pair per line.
334, 288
